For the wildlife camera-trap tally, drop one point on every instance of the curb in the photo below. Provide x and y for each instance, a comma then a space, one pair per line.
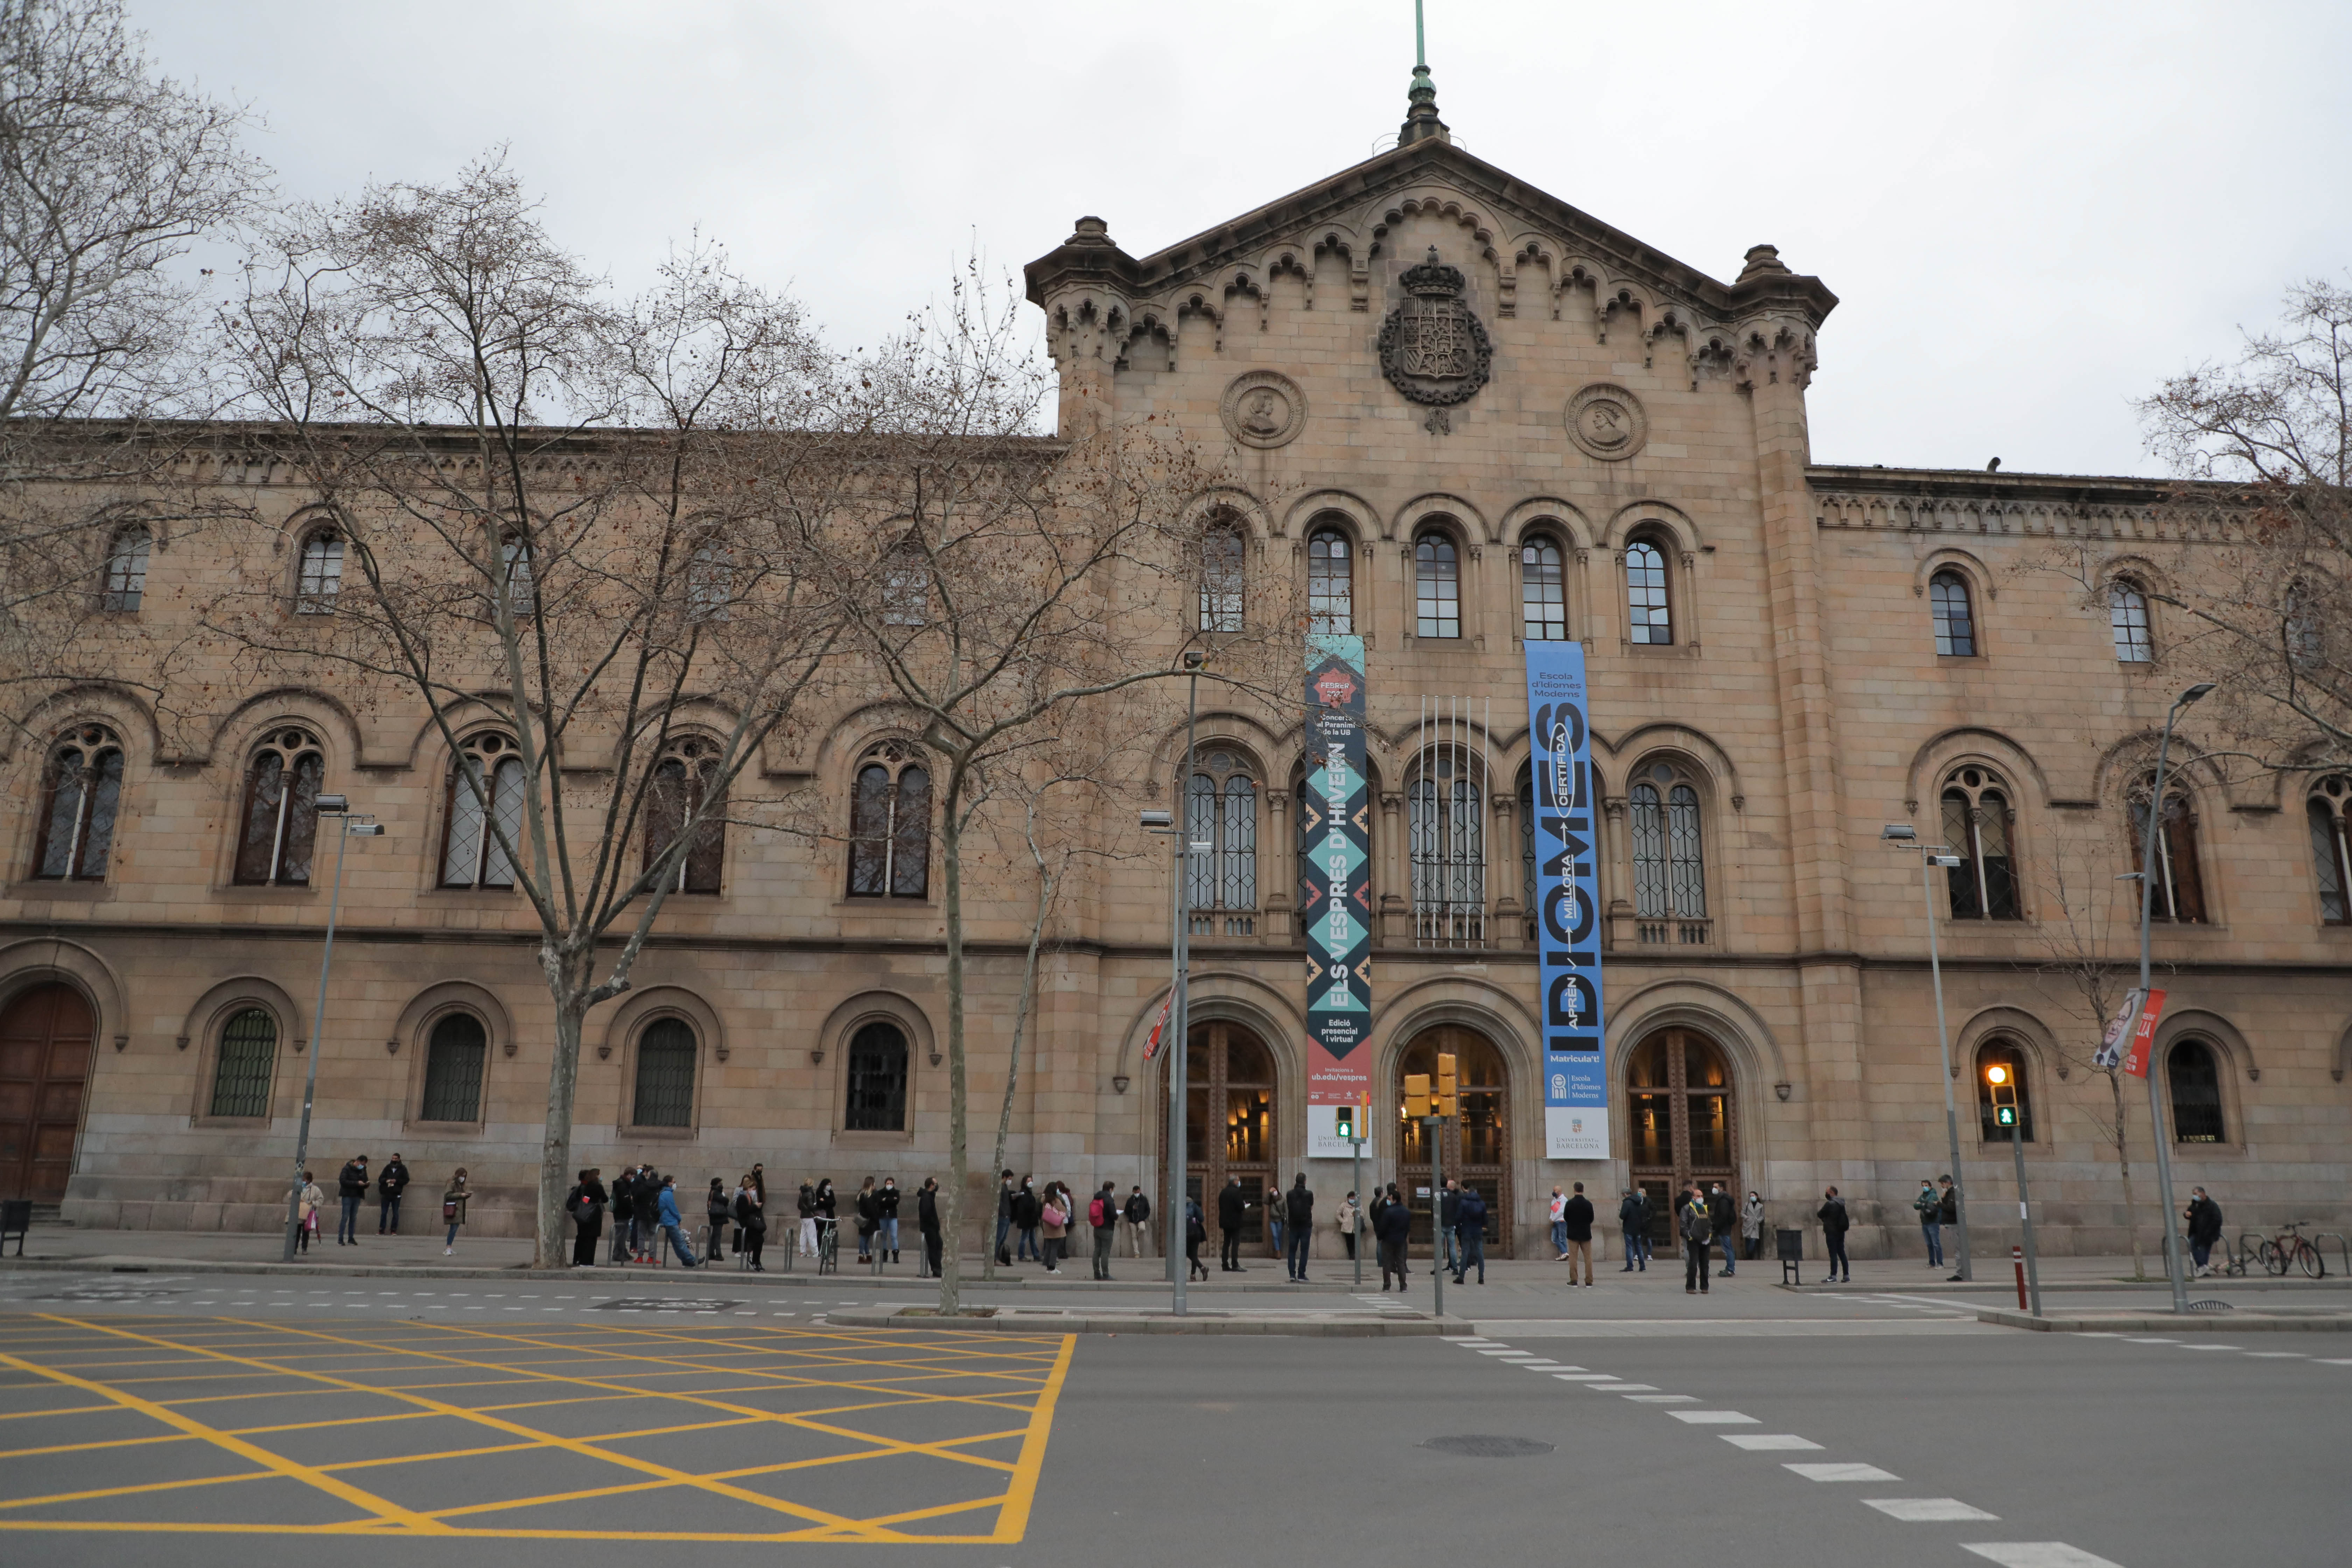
1040, 1323
2195, 1322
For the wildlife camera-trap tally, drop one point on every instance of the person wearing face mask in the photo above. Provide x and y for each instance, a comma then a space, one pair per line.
1751, 1223
886, 1203
1929, 1206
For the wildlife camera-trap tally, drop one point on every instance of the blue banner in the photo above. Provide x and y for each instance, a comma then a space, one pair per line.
1335, 890
1568, 905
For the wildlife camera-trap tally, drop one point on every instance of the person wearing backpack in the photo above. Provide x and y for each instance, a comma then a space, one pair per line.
1929, 1206
1102, 1214
1698, 1233
1470, 1228
585, 1204
1834, 1225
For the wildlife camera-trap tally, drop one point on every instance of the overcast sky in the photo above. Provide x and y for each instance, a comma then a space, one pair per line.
2031, 213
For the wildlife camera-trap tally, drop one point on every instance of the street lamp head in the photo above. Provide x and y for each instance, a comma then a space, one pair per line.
1195, 658
2196, 694
1157, 821
1945, 862
332, 805
1899, 833
365, 829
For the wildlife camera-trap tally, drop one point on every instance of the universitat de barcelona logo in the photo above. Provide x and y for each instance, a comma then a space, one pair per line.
1433, 348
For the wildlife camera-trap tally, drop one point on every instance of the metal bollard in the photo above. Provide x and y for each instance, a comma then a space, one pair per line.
2018, 1255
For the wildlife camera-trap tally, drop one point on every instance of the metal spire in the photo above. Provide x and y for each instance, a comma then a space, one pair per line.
1422, 122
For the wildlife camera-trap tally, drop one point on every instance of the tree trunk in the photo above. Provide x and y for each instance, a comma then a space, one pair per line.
1013, 1064
2123, 1155
562, 1090
951, 1222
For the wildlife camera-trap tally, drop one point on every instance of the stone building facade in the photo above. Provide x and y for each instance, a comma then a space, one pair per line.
1464, 413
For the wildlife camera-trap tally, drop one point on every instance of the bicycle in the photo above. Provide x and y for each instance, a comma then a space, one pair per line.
828, 1245
2290, 1251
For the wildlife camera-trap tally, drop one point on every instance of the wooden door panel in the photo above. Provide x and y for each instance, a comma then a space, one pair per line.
45, 1055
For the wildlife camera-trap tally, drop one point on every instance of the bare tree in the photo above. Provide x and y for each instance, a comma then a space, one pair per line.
584, 537
109, 173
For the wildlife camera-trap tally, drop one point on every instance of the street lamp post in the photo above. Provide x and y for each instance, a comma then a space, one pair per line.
1930, 860
337, 807
2172, 1262
1178, 824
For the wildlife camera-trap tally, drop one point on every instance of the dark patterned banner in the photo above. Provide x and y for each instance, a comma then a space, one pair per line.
1335, 890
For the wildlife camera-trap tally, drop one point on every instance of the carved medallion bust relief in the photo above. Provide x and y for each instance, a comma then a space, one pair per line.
1264, 408
1433, 348
1607, 422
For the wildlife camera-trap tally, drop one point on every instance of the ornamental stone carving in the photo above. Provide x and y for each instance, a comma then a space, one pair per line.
1607, 422
1264, 408
1434, 349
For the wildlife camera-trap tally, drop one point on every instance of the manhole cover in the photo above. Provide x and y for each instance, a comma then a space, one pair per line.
662, 1304
2211, 1306
1482, 1447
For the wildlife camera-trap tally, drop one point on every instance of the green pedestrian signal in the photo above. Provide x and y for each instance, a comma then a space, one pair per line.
1346, 1121
2005, 1115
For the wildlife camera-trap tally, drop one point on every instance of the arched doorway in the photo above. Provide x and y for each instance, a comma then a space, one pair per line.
1679, 1121
44, 1040
1476, 1149
1229, 1122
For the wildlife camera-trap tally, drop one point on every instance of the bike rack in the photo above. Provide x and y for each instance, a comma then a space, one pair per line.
2343, 1248
2248, 1256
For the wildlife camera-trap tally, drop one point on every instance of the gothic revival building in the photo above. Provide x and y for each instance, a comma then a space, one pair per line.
1465, 415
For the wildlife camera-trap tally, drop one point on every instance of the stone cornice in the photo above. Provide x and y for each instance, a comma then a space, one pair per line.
2087, 506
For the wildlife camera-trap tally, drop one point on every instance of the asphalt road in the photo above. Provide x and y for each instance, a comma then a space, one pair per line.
238, 1418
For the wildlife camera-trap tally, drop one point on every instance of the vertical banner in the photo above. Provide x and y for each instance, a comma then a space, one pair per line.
1568, 906
2143, 1036
1335, 876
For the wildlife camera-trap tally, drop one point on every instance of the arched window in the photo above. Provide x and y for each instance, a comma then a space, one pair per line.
488, 770
709, 581
2179, 891
665, 1095
2194, 1077
1220, 578
82, 793
878, 1081
2127, 617
2305, 625
1436, 587
1977, 820
2007, 1053
1330, 582
684, 781
515, 557
906, 587
1221, 811
2331, 845
126, 569
1669, 856
890, 827
1649, 615
1448, 848
1543, 591
1956, 625
320, 576
280, 821
453, 1070
249, 1046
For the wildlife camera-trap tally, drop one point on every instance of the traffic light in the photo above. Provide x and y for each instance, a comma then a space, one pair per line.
1416, 1095
1346, 1122
2004, 1094
1448, 1088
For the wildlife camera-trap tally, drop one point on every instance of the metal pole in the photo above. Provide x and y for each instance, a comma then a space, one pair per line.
1356, 1232
1944, 1045
2155, 1105
2025, 1211
1178, 1044
1434, 1127
318, 1022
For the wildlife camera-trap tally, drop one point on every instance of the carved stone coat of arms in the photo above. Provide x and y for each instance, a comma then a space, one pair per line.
1434, 349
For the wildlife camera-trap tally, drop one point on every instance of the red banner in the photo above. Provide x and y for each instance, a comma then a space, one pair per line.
2143, 1036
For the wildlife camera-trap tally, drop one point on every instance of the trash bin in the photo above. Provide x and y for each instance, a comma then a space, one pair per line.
1791, 1253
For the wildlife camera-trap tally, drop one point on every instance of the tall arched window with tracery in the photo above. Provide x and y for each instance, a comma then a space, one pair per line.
1436, 585
1221, 570
1543, 589
2328, 810
82, 793
709, 580
1447, 843
1330, 582
1649, 613
890, 825
519, 562
685, 781
1221, 812
906, 586
1977, 824
2128, 622
320, 574
1661, 809
486, 787
2178, 885
1955, 618
126, 569
279, 823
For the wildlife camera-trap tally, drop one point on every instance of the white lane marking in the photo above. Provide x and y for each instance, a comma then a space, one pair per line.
2276, 1356
1664, 1398
2138, 1342
1586, 1376
1622, 1387
2213, 1347
2335, 1361
2035, 1554
1784, 1442
1842, 1472
1714, 1417
1927, 1509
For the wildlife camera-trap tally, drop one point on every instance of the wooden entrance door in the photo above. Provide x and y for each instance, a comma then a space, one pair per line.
1679, 1116
1229, 1122
1476, 1149
45, 1050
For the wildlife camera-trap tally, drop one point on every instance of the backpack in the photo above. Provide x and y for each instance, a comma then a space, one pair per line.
1697, 1226
1094, 1215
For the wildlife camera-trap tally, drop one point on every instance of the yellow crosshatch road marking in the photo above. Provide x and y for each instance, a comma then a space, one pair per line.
746, 1434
